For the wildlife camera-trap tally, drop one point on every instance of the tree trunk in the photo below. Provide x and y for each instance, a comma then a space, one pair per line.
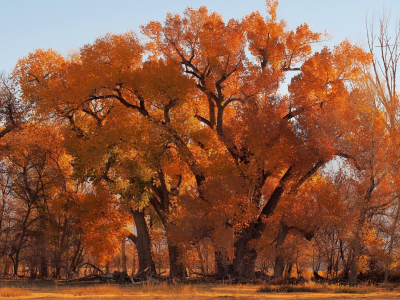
245, 257
201, 258
33, 271
16, 263
43, 269
221, 264
358, 233
123, 258
58, 271
279, 267
7, 265
392, 237
142, 242
353, 268
289, 269
108, 267
356, 251
280, 260
177, 266
76, 260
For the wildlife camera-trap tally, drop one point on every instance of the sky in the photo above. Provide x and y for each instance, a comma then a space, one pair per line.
67, 25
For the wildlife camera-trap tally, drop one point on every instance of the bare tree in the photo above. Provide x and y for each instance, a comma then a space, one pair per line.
11, 110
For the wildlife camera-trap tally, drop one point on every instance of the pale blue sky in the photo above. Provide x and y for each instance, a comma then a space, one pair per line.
69, 24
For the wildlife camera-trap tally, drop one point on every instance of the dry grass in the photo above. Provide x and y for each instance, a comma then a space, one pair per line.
39, 290
312, 287
146, 288
13, 292
94, 290
164, 288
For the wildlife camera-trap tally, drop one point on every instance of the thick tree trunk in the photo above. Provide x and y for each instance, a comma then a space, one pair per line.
358, 233
245, 257
43, 268
386, 278
356, 250
58, 271
142, 242
280, 259
161, 204
176, 264
279, 267
16, 263
221, 264
353, 267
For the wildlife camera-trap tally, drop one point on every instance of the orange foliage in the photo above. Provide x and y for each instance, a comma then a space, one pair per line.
193, 124
101, 224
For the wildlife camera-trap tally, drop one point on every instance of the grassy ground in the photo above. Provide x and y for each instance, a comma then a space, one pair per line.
35, 289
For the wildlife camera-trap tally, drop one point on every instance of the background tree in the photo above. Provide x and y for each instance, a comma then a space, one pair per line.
382, 83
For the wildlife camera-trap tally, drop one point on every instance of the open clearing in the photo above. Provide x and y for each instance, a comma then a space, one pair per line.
52, 290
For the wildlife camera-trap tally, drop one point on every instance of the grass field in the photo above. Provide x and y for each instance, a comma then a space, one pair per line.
35, 289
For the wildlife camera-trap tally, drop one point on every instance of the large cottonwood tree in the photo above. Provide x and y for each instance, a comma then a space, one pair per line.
201, 114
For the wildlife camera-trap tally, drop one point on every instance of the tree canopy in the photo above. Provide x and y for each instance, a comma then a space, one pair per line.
184, 141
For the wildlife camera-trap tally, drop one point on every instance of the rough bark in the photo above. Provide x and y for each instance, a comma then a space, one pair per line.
221, 264
177, 266
280, 259
245, 256
142, 242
